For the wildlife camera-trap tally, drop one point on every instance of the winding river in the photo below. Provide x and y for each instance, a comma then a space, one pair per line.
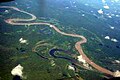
16, 21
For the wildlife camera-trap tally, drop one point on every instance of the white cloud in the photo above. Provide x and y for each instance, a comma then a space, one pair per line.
106, 7
100, 11
80, 58
107, 37
116, 0
117, 15
117, 73
23, 41
110, 16
71, 67
103, 1
112, 27
86, 65
17, 71
66, 7
6, 11
74, 2
52, 63
117, 61
86, 4
114, 40
83, 14
20, 39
